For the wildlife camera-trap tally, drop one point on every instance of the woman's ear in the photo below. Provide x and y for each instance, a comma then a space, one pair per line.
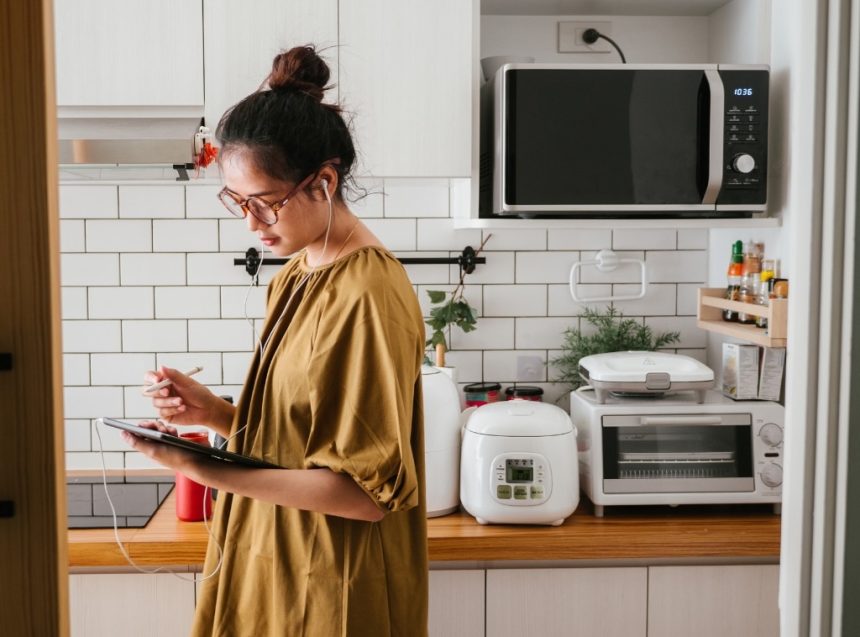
327, 179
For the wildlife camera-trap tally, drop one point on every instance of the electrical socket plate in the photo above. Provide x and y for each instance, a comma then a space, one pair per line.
570, 37
530, 369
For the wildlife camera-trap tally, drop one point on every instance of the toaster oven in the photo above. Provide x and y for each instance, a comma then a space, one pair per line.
676, 451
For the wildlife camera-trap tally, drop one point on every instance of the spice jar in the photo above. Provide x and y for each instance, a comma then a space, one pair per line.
478, 394
524, 392
190, 505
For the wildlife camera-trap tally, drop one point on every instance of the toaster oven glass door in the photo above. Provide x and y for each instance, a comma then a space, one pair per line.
677, 453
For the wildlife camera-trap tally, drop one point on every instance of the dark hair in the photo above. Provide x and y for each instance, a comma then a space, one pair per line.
284, 126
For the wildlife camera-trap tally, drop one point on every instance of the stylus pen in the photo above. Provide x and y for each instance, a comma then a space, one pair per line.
164, 383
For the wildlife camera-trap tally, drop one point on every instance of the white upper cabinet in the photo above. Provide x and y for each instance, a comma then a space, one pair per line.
242, 38
129, 52
407, 73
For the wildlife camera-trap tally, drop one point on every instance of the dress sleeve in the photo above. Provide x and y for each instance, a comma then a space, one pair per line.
365, 396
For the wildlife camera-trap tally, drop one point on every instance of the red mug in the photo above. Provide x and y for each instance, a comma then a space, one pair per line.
189, 494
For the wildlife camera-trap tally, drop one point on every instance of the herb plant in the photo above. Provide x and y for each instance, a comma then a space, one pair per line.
614, 334
455, 311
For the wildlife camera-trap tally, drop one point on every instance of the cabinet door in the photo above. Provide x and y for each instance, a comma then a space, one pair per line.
610, 602
407, 70
132, 605
129, 52
713, 601
242, 39
456, 603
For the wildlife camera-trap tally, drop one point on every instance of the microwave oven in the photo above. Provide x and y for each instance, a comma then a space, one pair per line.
624, 140
673, 451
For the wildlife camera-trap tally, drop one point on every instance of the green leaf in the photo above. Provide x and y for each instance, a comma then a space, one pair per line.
436, 296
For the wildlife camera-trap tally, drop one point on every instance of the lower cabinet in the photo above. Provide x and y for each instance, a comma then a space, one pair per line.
713, 601
456, 603
130, 604
610, 602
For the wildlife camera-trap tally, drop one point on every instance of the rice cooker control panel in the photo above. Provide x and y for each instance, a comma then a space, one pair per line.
520, 479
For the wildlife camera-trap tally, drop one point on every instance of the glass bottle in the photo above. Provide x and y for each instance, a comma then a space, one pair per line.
734, 279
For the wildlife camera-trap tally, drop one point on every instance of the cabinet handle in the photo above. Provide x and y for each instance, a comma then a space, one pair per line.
5, 362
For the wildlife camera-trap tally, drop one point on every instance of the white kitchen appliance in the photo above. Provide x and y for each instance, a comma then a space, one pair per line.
638, 373
674, 451
518, 464
441, 441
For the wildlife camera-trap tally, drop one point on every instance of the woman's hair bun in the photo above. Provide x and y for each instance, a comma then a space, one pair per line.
300, 69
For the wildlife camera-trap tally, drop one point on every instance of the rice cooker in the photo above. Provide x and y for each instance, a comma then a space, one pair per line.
441, 441
518, 464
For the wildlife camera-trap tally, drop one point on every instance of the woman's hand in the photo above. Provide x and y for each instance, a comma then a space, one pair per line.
167, 455
187, 402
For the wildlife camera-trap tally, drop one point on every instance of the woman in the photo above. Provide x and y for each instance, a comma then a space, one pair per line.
334, 544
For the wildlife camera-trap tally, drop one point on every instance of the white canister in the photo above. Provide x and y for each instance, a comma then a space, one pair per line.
441, 441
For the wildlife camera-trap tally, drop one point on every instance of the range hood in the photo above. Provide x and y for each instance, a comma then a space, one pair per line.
131, 142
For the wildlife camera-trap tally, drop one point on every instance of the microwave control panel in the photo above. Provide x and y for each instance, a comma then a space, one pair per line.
744, 137
520, 479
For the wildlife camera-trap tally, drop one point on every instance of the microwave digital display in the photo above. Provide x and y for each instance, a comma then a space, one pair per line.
515, 473
743, 92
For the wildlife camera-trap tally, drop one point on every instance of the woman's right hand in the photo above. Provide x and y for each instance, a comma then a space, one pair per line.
187, 402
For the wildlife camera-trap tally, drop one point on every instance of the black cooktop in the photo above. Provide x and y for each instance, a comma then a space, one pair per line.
135, 498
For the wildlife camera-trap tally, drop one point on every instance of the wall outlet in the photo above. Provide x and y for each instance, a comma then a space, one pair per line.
570, 37
530, 368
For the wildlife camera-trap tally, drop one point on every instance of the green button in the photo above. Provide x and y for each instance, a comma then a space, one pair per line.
503, 491
521, 493
537, 493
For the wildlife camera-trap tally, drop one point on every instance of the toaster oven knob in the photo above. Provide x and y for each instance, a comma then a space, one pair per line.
771, 475
743, 163
771, 434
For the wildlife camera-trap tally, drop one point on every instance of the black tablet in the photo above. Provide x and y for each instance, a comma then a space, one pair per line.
168, 439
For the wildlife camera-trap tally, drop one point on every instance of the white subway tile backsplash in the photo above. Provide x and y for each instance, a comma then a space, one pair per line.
120, 303
544, 267
105, 438
368, 199
700, 355
184, 361
688, 299
592, 239
137, 405
644, 239
76, 369
693, 239
201, 202
236, 366
72, 235
519, 239
152, 269
119, 236
689, 266
89, 269
152, 202
233, 304
234, 236
439, 234
73, 302
91, 402
163, 335
135, 460
467, 363
395, 234
515, 300
121, 369
218, 269
503, 366
187, 302
87, 202
80, 460
435, 274
490, 333
691, 336
77, 435
541, 333
91, 336
625, 272
227, 335
659, 300
499, 268
186, 235
561, 302
416, 198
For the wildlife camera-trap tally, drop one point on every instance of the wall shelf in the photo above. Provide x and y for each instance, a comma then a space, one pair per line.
712, 303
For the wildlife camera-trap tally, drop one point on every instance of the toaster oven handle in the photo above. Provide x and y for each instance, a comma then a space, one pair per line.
715, 140
680, 420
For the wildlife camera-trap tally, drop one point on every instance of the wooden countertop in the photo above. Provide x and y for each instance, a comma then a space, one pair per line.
625, 534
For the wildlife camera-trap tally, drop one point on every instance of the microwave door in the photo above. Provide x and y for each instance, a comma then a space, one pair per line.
616, 140
678, 454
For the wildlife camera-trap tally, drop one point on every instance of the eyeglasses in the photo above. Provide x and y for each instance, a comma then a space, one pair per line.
265, 211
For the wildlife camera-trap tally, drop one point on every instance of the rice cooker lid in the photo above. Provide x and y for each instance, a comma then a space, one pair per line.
519, 418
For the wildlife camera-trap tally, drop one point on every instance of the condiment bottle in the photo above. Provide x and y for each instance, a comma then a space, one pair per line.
190, 504
734, 279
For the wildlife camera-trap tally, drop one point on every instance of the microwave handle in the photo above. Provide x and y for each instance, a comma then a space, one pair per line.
680, 420
715, 140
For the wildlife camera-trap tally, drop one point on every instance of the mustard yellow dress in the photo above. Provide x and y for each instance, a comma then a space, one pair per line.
338, 386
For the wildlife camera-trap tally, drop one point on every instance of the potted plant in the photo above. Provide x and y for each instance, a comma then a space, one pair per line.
614, 334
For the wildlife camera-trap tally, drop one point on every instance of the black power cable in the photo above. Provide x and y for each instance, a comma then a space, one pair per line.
590, 36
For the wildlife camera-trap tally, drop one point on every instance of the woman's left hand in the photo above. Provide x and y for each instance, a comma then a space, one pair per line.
168, 455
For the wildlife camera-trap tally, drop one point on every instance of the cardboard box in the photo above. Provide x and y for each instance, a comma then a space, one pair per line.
740, 372
771, 373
